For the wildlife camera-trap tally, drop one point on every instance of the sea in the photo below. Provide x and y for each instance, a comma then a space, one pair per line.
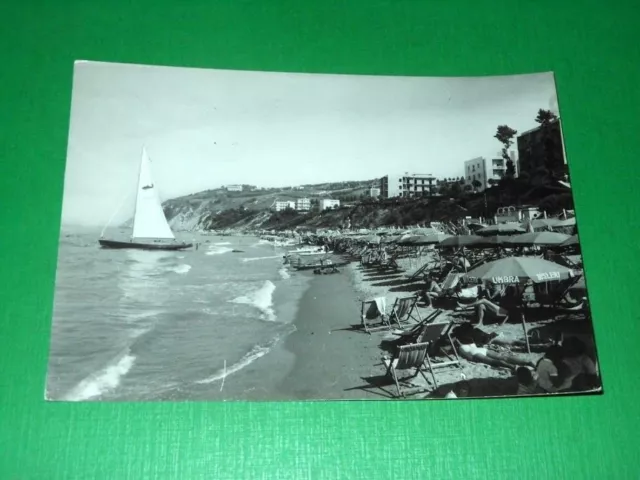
134, 325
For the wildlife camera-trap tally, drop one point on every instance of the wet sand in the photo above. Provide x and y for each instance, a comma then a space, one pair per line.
331, 359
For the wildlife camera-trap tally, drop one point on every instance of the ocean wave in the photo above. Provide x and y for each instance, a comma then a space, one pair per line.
255, 353
182, 268
261, 258
103, 381
222, 243
218, 250
262, 299
284, 274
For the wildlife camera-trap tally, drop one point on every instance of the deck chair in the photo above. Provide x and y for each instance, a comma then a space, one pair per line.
408, 357
416, 332
404, 309
373, 315
437, 335
552, 295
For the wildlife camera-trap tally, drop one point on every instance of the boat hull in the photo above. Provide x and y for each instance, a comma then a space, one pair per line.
114, 244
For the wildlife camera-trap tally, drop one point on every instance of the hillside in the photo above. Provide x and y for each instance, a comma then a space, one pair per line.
220, 208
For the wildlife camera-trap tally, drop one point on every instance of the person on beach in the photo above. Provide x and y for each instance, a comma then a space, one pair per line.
551, 371
461, 262
581, 370
466, 336
526, 382
500, 300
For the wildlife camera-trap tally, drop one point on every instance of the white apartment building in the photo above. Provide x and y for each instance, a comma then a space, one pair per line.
234, 188
485, 170
282, 205
329, 203
407, 185
303, 204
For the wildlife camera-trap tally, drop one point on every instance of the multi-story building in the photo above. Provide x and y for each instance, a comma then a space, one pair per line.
484, 171
538, 149
303, 204
407, 185
475, 170
278, 206
328, 203
234, 188
374, 192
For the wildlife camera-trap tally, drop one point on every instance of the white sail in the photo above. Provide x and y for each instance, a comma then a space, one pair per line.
149, 221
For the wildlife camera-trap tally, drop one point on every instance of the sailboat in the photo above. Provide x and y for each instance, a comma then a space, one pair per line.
151, 231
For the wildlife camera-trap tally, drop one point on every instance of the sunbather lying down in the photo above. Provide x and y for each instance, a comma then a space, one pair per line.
467, 338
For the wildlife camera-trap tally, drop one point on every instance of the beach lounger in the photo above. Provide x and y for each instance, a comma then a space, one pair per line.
437, 336
373, 315
416, 332
408, 357
404, 310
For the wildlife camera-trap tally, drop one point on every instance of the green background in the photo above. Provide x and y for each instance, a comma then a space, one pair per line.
592, 47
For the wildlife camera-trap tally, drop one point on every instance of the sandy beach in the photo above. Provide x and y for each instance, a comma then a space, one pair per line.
335, 359
331, 358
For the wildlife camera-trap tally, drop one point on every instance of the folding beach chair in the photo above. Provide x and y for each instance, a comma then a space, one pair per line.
372, 317
408, 357
404, 309
436, 336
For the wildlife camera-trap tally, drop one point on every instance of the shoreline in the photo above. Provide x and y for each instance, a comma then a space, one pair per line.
331, 359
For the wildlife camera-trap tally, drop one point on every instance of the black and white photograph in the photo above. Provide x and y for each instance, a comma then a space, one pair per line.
264, 236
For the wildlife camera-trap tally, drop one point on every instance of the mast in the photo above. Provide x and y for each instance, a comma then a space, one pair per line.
135, 205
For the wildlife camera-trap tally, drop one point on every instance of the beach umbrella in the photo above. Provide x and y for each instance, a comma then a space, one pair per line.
569, 222
571, 241
423, 231
513, 270
501, 228
492, 241
426, 239
541, 223
460, 241
539, 238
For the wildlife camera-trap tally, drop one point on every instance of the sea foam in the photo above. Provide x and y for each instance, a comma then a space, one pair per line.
255, 353
262, 299
261, 258
284, 274
103, 381
217, 250
182, 269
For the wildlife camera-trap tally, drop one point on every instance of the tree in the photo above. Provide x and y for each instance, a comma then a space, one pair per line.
476, 184
551, 147
492, 181
505, 135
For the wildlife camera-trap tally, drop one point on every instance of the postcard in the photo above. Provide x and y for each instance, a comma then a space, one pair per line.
263, 236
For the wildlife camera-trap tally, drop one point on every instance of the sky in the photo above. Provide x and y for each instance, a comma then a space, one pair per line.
207, 128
